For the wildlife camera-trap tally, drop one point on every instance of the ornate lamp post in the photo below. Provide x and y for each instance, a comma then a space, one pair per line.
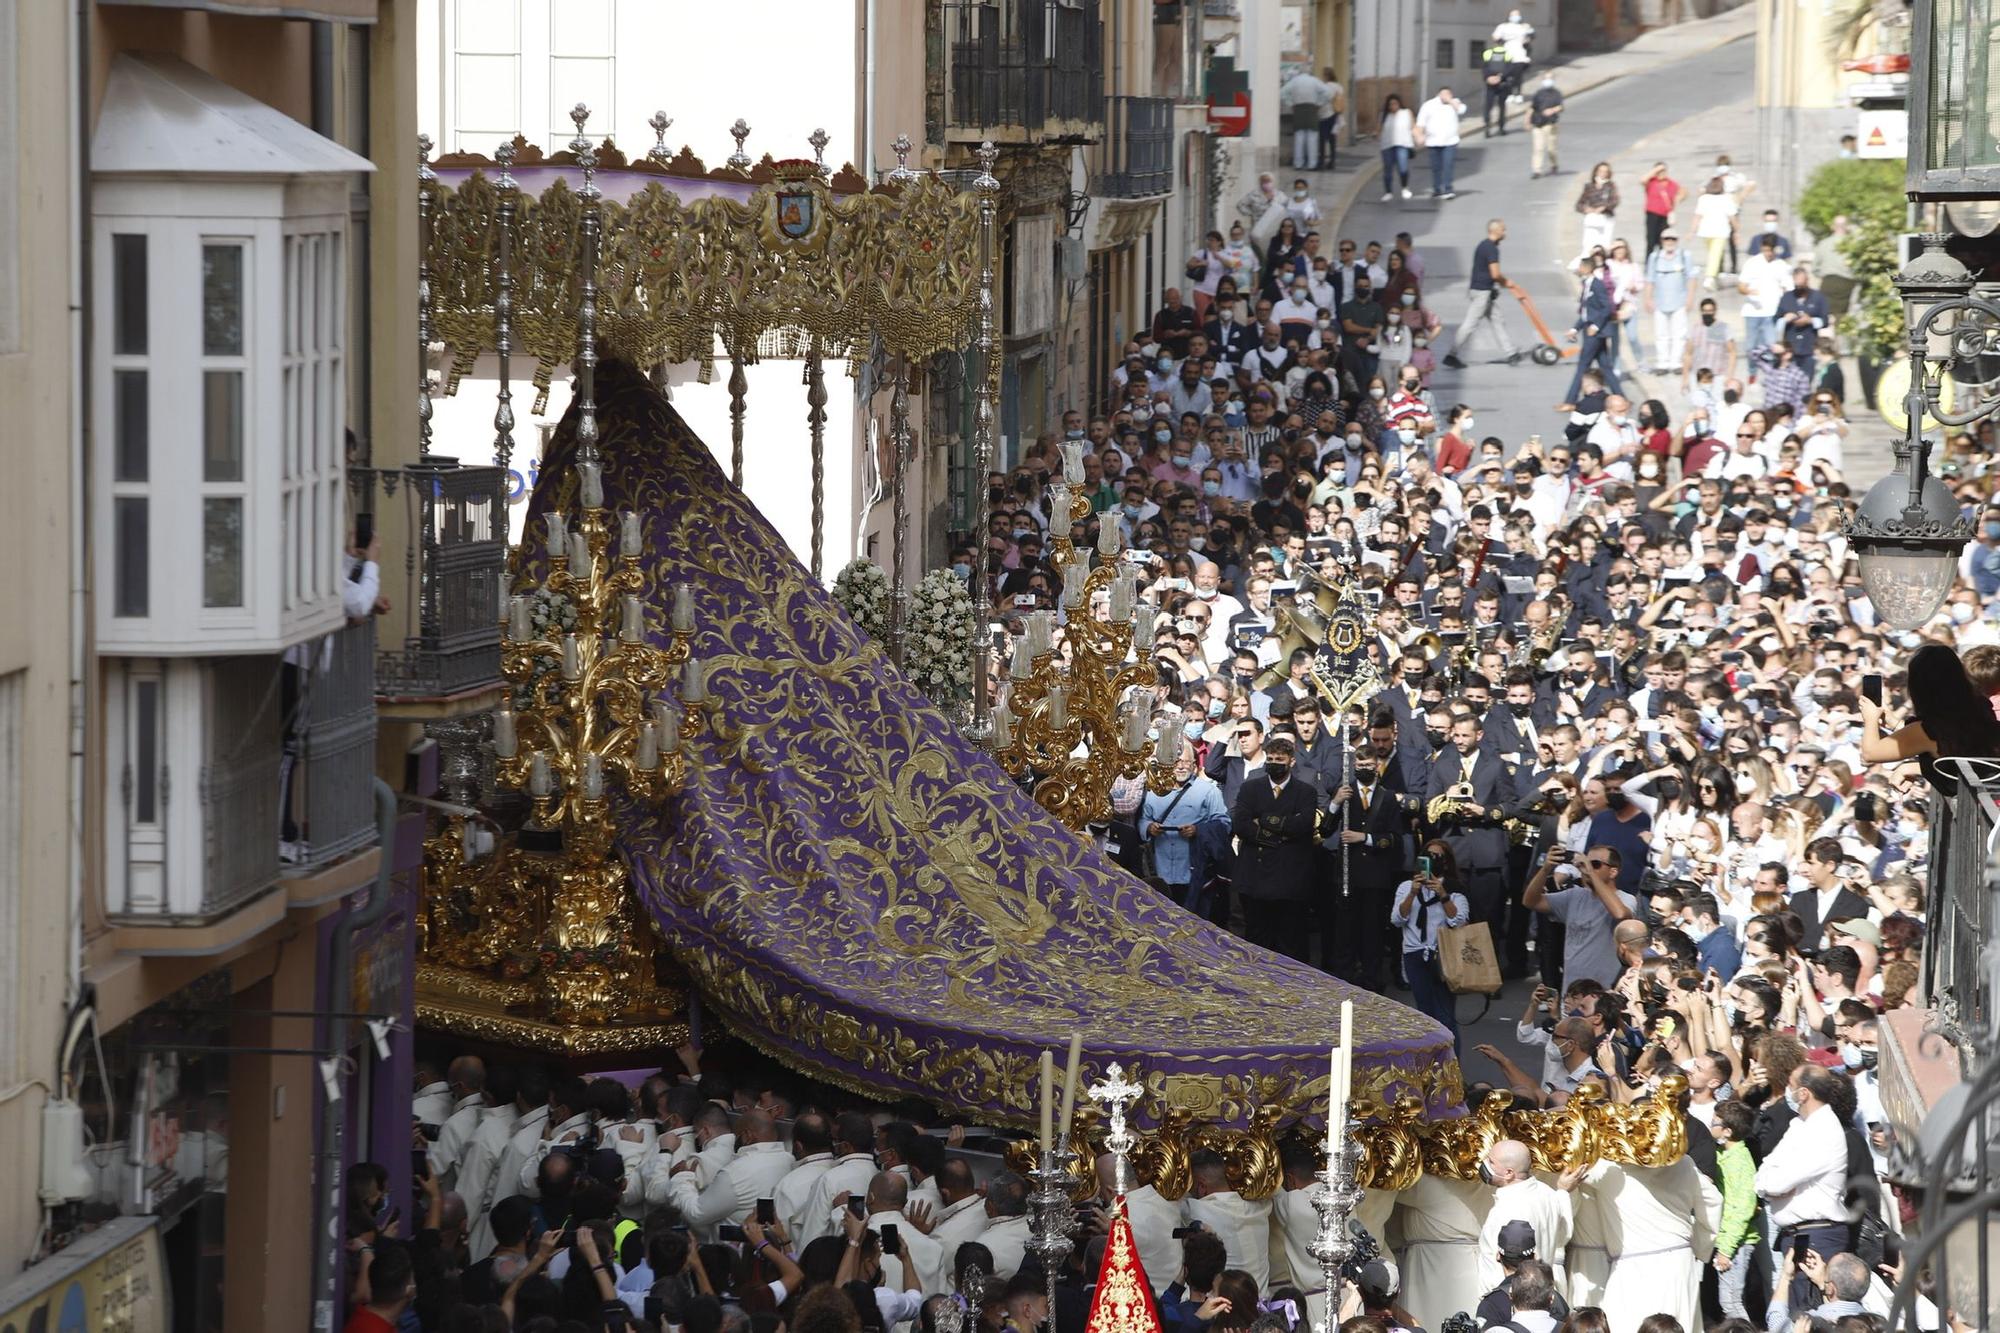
1908, 530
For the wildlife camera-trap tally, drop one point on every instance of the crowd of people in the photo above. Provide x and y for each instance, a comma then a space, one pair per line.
1634, 714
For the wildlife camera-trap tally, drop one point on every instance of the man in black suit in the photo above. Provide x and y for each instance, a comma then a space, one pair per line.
1377, 817
1515, 725
1319, 759
1825, 898
1474, 833
1276, 819
1229, 764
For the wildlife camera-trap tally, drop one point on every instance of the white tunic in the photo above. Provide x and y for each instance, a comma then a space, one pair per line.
957, 1223
1154, 1220
1244, 1226
1658, 1231
1440, 1225
1542, 1207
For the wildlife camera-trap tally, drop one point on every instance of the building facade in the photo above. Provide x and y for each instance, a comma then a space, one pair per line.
206, 321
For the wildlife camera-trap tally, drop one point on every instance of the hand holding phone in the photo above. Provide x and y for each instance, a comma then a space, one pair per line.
767, 1212
858, 1206
892, 1239
1871, 688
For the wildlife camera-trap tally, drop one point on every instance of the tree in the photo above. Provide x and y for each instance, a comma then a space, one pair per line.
1870, 193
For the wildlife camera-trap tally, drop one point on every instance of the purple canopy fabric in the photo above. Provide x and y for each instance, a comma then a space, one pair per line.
865, 895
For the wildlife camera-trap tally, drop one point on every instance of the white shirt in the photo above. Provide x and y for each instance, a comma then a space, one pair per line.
454, 1137
793, 1194
1514, 36
848, 1175
1289, 311
1805, 1177
1438, 122
1764, 282
925, 1252
1545, 1209
1006, 1238
476, 1166
568, 1131
957, 1223
1244, 1227
1420, 927
1154, 1220
752, 1174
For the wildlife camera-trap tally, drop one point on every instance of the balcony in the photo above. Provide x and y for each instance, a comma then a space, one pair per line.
1138, 154
1958, 981
332, 764
1023, 71
451, 589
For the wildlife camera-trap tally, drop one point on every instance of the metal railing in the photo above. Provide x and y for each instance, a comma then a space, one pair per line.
1026, 65
239, 784
331, 789
452, 577
1138, 148
1958, 978
1221, 9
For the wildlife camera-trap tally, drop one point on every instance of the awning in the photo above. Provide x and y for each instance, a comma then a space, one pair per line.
335, 11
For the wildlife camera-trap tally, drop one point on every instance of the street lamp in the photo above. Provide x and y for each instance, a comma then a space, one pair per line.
1908, 530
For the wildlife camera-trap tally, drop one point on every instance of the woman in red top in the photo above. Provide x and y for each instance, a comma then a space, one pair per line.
1662, 193
1454, 447
1656, 434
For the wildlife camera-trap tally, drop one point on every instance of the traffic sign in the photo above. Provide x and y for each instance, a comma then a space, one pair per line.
1229, 116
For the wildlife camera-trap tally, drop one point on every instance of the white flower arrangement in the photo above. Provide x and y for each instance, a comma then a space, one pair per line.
862, 589
550, 616
937, 643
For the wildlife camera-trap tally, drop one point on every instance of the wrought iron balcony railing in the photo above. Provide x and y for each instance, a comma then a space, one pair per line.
333, 800
1020, 70
1138, 151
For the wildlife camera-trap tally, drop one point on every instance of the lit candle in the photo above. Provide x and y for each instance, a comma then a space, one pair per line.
647, 757
628, 536
1058, 708
1110, 536
1073, 462
683, 608
541, 778
1135, 731
579, 556
1069, 1086
1059, 519
635, 620
1023, 665
572, 658
1048, 1101
505, 743
558, 538
519, 625
1003, 726
593, 777
590, 478
694, 682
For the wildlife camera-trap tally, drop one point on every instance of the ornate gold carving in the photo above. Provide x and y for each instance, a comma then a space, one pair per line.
1646, 1133
1161, 1159
1454, 1148
1392, 1151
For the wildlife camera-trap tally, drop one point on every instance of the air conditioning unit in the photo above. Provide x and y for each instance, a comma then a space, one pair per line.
1072, 260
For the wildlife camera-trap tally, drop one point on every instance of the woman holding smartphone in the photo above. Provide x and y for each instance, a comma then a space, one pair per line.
1427, 902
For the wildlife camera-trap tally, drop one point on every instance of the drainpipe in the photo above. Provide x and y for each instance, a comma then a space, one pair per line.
80, 637
333, 1123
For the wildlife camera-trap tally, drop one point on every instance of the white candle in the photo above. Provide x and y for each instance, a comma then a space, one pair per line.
1003, 727
593, 777
1110, 536
541, 778
1059, 519
572, 658
1058, 708
520, 626
683, 608
694, 682
628, 536
667, 721
505, 743
579, 556
1069, 1086
635, 620
1121, 600
1168, 752
647, 756
1048, 1101
1142, 628
1332, 1104
1072, 592
1023, 665
590, 482
558, 538
1073, 462
1135, 731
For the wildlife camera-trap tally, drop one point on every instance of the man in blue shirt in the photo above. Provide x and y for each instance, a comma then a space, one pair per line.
1801, 314
1672, 277
1714, 943
1168, 822
1982, 558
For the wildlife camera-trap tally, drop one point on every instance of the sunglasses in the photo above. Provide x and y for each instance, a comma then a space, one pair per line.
1597, 865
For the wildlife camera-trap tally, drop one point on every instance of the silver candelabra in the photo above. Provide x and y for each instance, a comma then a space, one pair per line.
1053, 1216
1337, 1196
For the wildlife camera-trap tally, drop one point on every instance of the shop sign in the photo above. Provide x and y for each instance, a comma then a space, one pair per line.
107, 1280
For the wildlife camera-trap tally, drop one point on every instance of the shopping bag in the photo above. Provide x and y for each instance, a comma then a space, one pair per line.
1267, 226
1465, 956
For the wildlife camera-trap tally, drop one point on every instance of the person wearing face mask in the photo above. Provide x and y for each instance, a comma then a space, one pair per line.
1170, 822
1302, 208
1472, 828
1361, 323
1800, 315
1275, 821
1803, 1179
1295, 314
1715, 945
1518, 1197
1376, 818
1711, 346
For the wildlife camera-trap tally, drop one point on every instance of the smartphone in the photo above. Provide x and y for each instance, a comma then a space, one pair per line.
431, 1132
1871, 688
892, 1239
1424, 866
364, 531
1801, 1246
420, 1163
1560, 855
767, 1212
731, 1233
859, 1207
1182, 1233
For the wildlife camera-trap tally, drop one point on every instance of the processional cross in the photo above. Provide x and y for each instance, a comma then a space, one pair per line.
1115, 1092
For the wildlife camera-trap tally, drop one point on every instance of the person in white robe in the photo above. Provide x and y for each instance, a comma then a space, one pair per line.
888, 1194
752, 1174
1519, 1196
1006, 1234
853, 1167
1243, 1225
1657, 1233
1154, 1220
963, 1215
812, 1158
1294, 1224
1439, 1220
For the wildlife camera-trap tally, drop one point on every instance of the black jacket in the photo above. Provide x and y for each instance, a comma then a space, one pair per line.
1380, 862
1277, 839
1805, 906
1479, 843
